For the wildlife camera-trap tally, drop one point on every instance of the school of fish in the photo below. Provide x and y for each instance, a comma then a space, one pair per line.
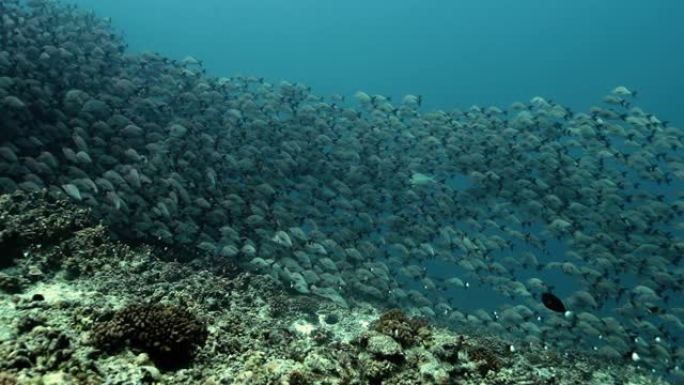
358, 200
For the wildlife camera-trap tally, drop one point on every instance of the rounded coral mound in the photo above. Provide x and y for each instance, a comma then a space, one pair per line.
169, 334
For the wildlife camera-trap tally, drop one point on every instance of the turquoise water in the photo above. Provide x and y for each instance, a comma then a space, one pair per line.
454, 53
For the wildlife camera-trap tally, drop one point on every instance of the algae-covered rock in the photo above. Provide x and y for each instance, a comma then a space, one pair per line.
384, 346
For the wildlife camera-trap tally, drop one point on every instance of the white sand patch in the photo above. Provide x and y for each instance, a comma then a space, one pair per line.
55, 292
303, 327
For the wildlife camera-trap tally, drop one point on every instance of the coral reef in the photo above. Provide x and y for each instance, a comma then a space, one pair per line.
169, 334
407, 331
24, 224
50, 331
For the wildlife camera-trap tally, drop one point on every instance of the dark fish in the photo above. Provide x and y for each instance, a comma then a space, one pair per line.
552, 302
655, 310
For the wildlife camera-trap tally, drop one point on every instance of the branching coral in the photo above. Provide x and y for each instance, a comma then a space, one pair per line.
170, 335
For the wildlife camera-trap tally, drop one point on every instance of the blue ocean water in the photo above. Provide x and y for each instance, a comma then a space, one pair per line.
454, 53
